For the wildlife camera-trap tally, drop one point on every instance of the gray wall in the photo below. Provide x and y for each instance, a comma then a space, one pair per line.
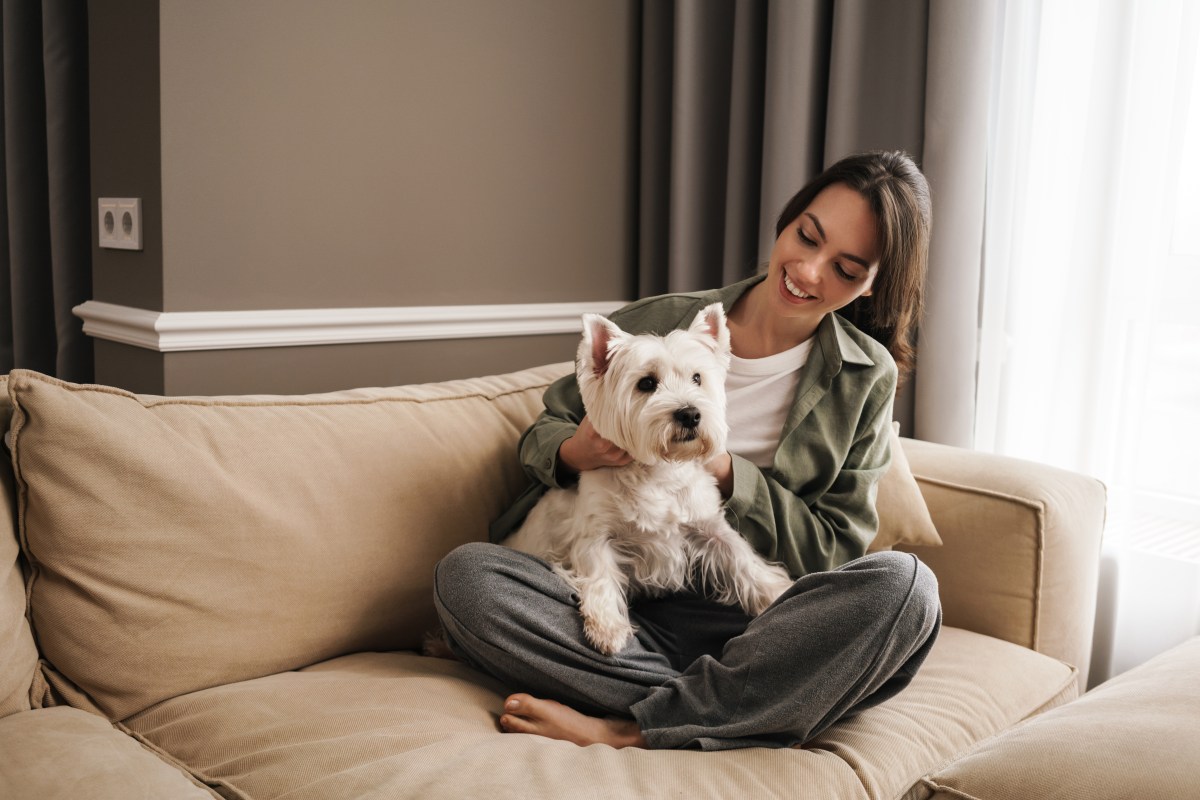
320, 154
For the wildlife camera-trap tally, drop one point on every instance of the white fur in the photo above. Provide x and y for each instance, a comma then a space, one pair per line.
656, 525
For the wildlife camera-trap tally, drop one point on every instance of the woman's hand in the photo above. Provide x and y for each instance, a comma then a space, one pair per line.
587, 450
721, 468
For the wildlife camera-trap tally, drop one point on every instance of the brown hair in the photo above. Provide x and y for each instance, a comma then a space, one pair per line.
898, 195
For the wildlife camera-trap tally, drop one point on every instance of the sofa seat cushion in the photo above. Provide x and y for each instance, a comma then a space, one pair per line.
1138, 735
65, 754
409, 726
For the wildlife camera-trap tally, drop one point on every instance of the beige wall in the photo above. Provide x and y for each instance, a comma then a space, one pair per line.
319, 154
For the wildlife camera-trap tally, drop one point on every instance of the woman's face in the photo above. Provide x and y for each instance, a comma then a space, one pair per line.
826, 258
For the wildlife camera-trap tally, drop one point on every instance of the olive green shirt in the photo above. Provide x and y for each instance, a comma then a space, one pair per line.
814, 508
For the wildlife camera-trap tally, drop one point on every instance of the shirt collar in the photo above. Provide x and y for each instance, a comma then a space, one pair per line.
849, 348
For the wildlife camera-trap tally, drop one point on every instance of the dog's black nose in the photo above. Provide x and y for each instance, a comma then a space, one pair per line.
688, 417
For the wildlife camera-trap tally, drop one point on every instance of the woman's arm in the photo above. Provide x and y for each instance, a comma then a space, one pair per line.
540, 443
807, 529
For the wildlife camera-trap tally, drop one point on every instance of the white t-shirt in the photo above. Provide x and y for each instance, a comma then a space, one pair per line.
760, 392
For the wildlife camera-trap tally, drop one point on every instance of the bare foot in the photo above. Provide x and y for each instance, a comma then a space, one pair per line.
525, 714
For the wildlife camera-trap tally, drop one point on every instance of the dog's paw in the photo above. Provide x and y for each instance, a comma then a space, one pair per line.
435, 645
607, 636
759, 594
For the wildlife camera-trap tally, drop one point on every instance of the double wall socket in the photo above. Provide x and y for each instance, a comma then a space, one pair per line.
121, 223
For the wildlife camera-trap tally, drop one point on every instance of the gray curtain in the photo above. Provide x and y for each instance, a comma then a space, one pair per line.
45, 208
701, 142
746, 100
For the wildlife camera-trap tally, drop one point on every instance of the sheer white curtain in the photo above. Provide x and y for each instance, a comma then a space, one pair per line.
1090, 303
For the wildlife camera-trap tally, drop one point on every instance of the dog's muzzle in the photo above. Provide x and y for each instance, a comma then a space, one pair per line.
688, 418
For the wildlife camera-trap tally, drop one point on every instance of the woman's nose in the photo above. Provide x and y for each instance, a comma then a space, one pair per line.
809, 269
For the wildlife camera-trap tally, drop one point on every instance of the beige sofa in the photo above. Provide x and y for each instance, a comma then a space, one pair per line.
222, 597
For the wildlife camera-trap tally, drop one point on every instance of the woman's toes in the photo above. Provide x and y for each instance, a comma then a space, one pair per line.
513, 724
518, 704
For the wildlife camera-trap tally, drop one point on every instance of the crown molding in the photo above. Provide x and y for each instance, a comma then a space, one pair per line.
178, 331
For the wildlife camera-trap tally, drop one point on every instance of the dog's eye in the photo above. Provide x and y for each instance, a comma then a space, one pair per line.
648, 384
696, 379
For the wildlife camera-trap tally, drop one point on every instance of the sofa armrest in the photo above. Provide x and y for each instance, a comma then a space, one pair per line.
1021, 547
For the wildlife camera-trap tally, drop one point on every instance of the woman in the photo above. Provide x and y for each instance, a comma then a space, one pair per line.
809, 406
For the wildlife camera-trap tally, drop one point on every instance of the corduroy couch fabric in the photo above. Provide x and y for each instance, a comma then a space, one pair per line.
233, 589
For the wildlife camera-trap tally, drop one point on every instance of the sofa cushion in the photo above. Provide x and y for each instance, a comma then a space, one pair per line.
1137, 735
182, 543
418, 727
18, 654
67, 754
903, 516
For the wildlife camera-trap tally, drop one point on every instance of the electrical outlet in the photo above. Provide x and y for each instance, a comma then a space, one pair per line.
121, 223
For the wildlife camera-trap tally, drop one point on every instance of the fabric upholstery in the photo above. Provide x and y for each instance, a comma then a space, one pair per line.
1137, 735
68, 754
419, 727
903, 515
18, 654
1021, 547
165, 535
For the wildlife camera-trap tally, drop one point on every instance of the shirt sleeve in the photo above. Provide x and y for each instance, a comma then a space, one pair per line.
539, 444
834, 528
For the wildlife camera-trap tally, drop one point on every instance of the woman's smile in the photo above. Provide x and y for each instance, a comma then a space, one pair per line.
797, 294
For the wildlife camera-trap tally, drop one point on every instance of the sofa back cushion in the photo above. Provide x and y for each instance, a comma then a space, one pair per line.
18, 655
181, 543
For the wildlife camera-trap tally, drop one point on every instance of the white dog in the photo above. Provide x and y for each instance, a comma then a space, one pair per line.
656, 525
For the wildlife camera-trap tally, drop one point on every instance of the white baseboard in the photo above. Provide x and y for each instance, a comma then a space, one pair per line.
176, 331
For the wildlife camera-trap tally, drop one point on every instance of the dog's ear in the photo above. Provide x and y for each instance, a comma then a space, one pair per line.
599, 336
710, 323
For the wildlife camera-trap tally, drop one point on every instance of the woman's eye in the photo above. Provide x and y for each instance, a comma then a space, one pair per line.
647, 384
804, 238
696, 379
844, 274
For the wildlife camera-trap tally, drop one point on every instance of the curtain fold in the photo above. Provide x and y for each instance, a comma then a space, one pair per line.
45, 263
701, 129
959, 79
877, 77
1091, 345
799, 38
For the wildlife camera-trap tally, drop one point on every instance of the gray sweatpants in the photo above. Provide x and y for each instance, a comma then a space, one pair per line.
699, 674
